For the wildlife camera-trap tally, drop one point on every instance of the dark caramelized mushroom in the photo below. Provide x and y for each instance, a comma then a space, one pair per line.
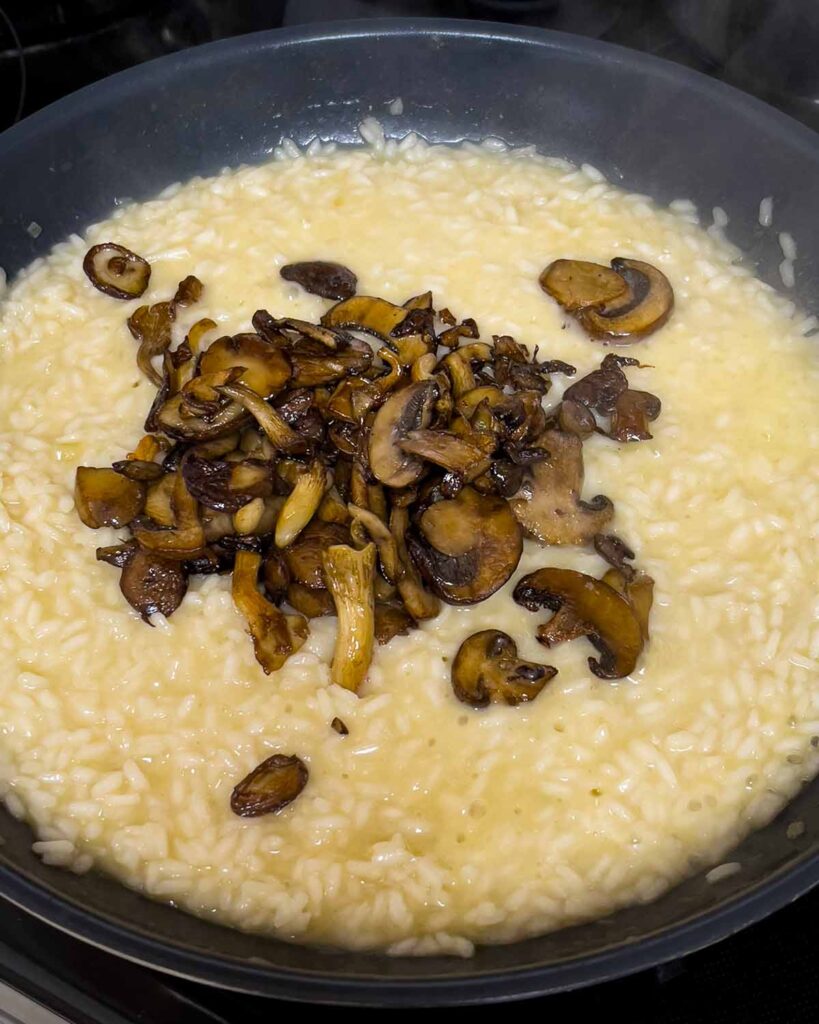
645, 306
116, 271
406, 410
168, 417
467, 547
138, 469
575, 418
391, 620
117, 554
314, 365
487, 669
270, 787
275, 635
468, 457
600, 389
584, 606
266, 368
151, 326
209, 481
106, 498
275, 575
311, 603
339, 727
329, 280
632, 414
549, 506
188, 291
366, 313
279, 433
577, 284
152, 584
304, 556
182, 542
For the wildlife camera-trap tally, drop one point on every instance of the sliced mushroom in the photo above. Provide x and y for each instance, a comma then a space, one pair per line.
633, 412
304, 556
275, 635
350, 574
406, 410
106, 498
138, 469
588, 607
275, 576
353, 399
451, 337
638, 590
378, 531
549, 506
391, 620
575, 418
315, 366
209, 481
188, 291
467, 457
266, 368
645, 307
366, 313
578, 284
151, 326
153, 584
158, 500
487, 669
226, 421
116, 271
329, 280
467, 547
186, 539
301, 504
117, 554
418, 601
600, 389
270, 787
281, 436
616, 552
313, 604
300, 329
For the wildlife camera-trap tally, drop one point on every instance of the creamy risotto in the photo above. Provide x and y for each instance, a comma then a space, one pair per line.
431, 825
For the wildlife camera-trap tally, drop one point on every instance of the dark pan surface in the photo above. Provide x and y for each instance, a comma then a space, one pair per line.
652, 127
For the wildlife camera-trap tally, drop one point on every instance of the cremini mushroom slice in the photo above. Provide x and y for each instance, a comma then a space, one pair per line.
332, 509
460, 373
296, 330
585, 606
392, 619
329, 280
451, 337
106, 498
633, 412
116, 271
487, 670
169, 419
152, 584
467, 457
209, 481
275, 635
467, 547
304, 556
366, 313
638, 590
186, 539
578, 284
188, 291
349, 574
270, 787
311, 603
158, 500
353, 398
642, 309
281, 436
266, 368
406, 410
549, 506
151, 326
117, 554
301, 504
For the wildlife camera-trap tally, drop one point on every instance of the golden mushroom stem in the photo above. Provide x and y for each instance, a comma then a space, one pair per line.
301, 504
350, 575
275, 635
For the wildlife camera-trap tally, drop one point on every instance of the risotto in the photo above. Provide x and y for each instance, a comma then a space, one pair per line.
427, 825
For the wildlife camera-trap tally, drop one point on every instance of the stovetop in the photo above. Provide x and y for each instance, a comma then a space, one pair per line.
48, 48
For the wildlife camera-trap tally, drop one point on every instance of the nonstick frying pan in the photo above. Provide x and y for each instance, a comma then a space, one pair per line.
651, 126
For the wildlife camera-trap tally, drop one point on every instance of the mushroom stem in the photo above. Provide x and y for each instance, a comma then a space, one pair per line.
301, 504
275, 635
350, 575
280, 435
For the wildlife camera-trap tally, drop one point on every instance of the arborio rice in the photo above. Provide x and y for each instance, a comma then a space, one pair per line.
431, 825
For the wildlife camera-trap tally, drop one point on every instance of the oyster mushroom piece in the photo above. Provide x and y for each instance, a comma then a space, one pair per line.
549, 506
585, 606
642, 309
281, 436
116, 271
106, 498
275, 635
350, 575
270, 787
578, 284
153, 584
168, 418
329, 280
315, 365
266, 368
301, 504
633, 412
186, 539
409, 409
151, 327
380, 534
366, 313
468, 546
467, 457
487, 670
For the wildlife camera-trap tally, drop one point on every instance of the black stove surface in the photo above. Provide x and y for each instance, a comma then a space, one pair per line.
767, 973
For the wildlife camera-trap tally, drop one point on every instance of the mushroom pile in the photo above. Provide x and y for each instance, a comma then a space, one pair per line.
332, 476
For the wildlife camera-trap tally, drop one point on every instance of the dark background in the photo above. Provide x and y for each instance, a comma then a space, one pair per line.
766, 974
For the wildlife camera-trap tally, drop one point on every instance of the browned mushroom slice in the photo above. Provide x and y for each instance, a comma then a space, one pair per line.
266, 368
600, 389
117, 554
633, 412
353, 399
616, 552
296, 330
391, 620
350, 574
106, 498
138, 469
301, 504
338, 726
168, 418
638, 590
366, 313
505, 477
585, 606
378, 531
270, 787
148, 448
116, 271
209, 481
575, 418
329, 280
549, 506
311, 603
467, 457
188, 291
646, 305
451, 337
281, 436
418, 601
422, 301
487, 670
275, 635
459, 372
468, 546
158, 500
153, 584
151, 326
275, 576
186, 539
304, 556
577, 284
314, 365
406, 410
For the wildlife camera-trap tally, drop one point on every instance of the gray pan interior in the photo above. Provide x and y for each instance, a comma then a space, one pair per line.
652, 127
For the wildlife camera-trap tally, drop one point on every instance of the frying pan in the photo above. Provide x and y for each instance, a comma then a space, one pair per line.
652, 127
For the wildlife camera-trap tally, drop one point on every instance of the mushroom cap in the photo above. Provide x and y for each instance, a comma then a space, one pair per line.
405, 410
645, 307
